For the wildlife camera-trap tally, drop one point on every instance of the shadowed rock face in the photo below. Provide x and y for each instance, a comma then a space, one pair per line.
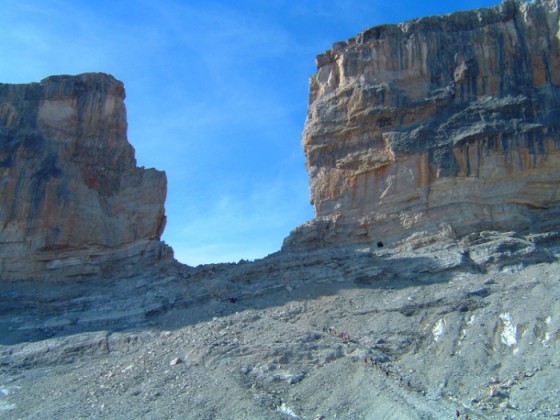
73, 201
441, 123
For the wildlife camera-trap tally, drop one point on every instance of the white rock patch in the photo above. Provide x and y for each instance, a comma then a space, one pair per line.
438, 329
509, 334
284, 409
5, 406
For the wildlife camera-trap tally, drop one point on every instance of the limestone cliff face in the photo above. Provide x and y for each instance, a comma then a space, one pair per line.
449, 122
73, 201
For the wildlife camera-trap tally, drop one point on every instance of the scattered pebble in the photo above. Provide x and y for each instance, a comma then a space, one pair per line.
175, 361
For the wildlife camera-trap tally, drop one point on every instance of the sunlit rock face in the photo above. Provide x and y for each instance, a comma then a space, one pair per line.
73, 201
448, 123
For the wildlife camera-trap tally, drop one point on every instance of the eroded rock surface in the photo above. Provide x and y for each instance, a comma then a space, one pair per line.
444, 323
420, 330
446, 123
74, 203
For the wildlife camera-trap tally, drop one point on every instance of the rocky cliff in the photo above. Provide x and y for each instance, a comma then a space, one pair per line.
441, 124
73, 201
403, 137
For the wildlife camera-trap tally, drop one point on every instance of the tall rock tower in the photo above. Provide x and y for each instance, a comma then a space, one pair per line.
73, 203
440, 123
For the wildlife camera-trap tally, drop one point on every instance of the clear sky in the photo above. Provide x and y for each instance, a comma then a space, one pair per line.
216, 97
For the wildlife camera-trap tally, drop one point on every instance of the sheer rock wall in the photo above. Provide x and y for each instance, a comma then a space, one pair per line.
447, 123
74, 203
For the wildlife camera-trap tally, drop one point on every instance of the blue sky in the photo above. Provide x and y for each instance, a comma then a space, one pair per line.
216, 97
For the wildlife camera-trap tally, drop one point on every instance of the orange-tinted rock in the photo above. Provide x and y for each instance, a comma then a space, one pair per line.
449, 122
73, 201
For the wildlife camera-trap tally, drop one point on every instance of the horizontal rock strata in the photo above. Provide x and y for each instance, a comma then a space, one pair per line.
441, 123
74, 203
426, 328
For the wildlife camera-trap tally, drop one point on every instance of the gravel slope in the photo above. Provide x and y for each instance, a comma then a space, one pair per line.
422, 331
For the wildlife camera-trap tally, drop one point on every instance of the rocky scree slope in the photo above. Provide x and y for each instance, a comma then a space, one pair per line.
418, 331
439, 123
74, 204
